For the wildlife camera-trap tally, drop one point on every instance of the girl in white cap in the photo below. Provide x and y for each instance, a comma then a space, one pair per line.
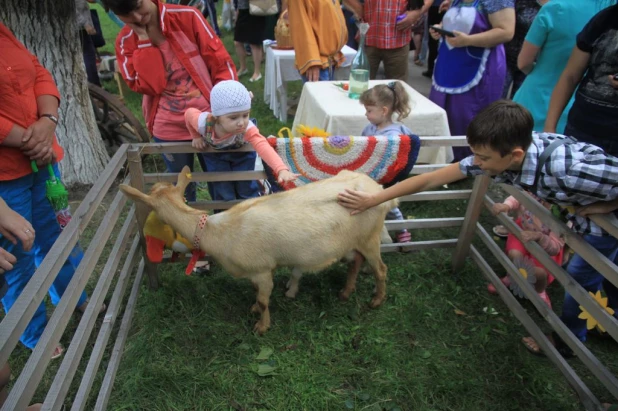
228, 126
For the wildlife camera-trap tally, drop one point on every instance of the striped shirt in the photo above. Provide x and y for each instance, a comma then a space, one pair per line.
381, 16
576, 174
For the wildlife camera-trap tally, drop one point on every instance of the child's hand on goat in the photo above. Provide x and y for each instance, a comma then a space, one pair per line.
357, 201
527, 236
500, 208
198, 143
285, 176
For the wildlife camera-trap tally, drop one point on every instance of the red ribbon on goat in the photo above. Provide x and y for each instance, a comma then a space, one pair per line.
196, 254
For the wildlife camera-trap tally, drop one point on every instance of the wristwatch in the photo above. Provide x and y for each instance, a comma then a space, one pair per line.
51, 117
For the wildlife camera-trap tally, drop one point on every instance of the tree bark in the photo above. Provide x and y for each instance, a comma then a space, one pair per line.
48, 29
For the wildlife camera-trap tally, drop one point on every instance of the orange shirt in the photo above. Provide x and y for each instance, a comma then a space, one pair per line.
22, 80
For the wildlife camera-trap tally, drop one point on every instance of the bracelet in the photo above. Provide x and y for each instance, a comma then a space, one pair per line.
51, 117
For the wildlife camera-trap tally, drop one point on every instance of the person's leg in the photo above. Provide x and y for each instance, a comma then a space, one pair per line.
433, 17
591, 280
175, 163
417, 38
403, 236
244, 161
89, 53
396, 63
257, 54
374, 56
242, 57
47, 232
18, 196
352, 29
219, 162
212, 13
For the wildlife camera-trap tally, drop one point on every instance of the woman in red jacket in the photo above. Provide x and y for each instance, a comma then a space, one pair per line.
172, 56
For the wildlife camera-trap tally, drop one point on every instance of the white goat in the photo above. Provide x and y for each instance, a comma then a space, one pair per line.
303, 228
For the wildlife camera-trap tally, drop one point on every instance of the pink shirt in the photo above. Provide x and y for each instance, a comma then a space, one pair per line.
180, 93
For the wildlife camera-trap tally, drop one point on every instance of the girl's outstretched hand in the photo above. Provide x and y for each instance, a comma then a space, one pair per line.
285, 176
357, 201
198, 143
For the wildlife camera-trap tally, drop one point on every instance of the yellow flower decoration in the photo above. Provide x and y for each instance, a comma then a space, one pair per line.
591, 322
305, 131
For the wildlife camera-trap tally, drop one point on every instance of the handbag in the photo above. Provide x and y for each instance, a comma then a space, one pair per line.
263, 7
97, 39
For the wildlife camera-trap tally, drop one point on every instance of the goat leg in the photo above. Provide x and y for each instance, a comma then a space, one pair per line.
264, 284
353, 269
292, 284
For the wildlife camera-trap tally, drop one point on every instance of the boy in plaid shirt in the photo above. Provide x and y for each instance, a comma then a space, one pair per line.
575, 174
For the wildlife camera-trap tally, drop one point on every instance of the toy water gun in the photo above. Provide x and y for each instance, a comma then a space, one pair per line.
57, 195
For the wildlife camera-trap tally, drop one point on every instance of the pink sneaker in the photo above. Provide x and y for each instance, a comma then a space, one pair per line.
545, 298
505, 280
404, 236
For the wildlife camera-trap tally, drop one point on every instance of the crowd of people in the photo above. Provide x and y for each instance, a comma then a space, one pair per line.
556, 59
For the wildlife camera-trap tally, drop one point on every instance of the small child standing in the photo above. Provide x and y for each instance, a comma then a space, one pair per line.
228, 127
381, 102
533, 229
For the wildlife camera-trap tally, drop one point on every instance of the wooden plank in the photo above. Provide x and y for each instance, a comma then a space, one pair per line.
426, 168
449, 141
209, 176
583, 392
121, 338
113, 309
141, 211
419, 223
473, 211
595, 366
72, 356
607, 268
35, 367
607, 222
418, 245
438, 195
579, 293
20, 314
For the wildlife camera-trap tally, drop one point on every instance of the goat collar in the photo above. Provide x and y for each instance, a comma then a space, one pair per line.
199, 228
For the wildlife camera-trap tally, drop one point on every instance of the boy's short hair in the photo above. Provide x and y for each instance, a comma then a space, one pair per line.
502, 126
120, 7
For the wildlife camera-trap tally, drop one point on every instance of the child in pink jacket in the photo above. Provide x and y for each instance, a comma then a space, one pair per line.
533, 229
228, 127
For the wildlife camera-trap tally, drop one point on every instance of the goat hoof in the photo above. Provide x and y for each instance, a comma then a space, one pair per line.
260, 329
344, 295
291, 293
376, 302
255, 308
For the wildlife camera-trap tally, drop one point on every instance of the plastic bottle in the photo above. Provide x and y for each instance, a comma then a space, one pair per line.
359, 72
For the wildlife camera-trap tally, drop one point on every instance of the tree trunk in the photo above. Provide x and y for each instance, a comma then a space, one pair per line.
49, 30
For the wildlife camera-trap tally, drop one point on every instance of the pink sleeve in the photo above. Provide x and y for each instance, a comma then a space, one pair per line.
552, 244
512, 203
265, 150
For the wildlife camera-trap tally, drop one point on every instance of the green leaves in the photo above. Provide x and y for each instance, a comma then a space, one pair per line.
266, 369
264, 354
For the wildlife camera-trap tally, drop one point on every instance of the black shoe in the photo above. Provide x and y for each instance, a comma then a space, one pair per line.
427, 73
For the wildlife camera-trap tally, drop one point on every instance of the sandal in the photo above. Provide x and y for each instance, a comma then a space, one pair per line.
500, 231
563, 349
202, 269
404, 236
418, 62
57, 352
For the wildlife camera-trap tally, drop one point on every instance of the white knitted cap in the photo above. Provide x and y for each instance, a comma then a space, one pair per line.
229, 96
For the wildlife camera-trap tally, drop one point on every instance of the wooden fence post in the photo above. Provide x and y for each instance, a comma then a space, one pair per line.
141, 211
475, 205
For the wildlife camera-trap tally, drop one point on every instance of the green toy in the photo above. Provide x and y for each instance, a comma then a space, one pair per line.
57, 195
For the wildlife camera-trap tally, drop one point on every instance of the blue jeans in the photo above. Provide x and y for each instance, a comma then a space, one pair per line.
590, 280
26, 196
326, 74
176, 162
232, 161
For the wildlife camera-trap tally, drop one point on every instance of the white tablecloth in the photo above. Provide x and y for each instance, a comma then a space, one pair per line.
323, 105
280, 68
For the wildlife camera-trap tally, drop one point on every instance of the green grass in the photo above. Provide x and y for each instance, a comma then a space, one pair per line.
191, 345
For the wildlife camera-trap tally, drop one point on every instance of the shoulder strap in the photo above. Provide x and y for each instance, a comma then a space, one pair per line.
545, 156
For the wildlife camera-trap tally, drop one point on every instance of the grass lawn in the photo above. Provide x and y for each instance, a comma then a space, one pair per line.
430, 346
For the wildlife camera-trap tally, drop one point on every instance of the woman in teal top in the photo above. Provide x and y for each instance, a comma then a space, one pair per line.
549, 42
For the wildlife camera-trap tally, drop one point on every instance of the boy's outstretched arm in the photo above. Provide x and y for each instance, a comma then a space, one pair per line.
359, 201
600, 207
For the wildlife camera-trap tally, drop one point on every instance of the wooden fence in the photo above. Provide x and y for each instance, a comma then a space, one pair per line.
125, 266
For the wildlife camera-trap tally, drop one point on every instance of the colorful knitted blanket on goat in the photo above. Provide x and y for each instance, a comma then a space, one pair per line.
386, 159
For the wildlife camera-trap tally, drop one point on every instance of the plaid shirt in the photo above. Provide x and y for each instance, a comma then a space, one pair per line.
381, 16
576, 174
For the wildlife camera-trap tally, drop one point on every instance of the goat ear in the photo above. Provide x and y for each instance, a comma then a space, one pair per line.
135, 194
184, 178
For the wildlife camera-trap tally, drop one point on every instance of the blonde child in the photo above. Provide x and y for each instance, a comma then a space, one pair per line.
381, 102
228, 126
533, 229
